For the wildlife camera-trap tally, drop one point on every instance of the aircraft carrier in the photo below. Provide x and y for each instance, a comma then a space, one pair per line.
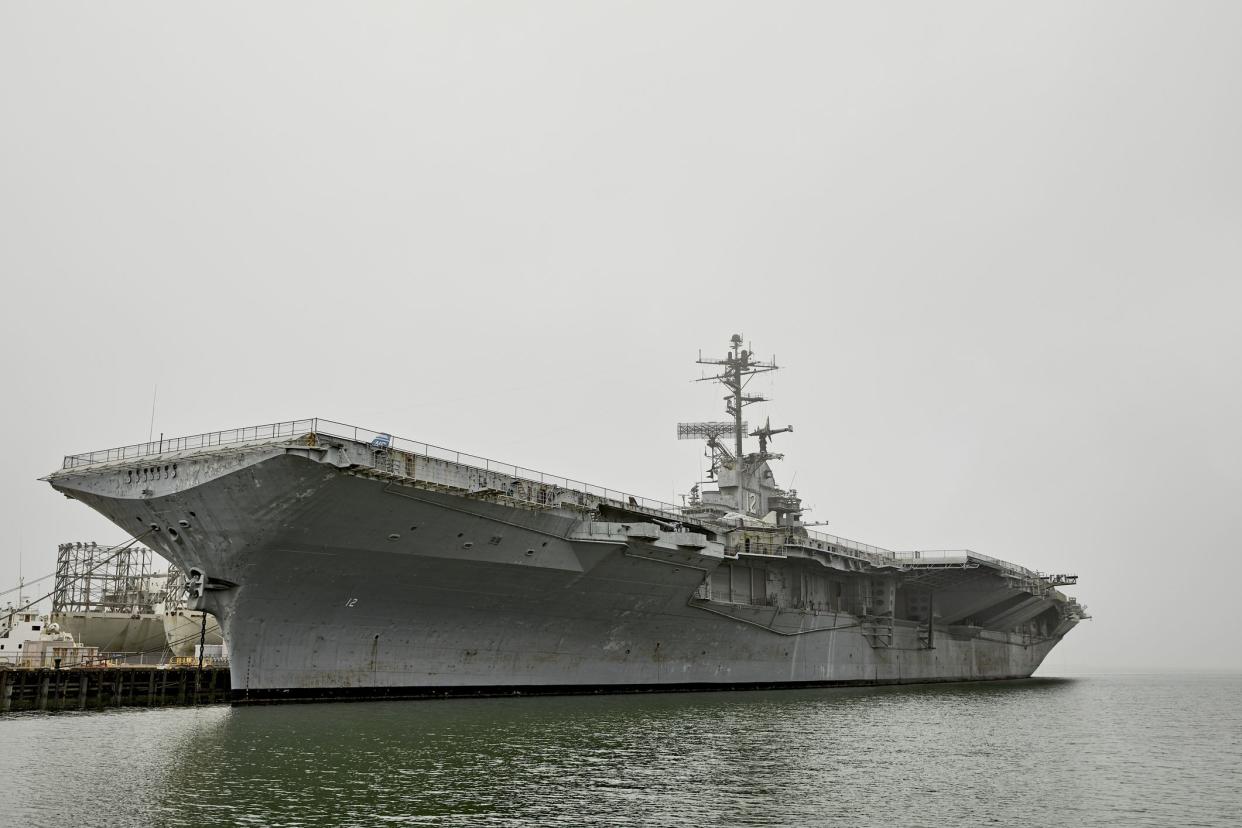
348, 563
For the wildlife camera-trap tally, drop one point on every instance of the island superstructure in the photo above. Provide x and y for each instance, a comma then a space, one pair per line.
343, 562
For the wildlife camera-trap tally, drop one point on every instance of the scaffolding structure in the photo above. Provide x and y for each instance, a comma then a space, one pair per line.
94, 578
176, 589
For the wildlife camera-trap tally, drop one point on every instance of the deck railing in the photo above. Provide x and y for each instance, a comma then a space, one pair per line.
866, 549
936, 555
461, 458
270, 431
290, 429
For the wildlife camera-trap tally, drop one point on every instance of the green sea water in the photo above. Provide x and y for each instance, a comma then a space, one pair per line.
1132, 750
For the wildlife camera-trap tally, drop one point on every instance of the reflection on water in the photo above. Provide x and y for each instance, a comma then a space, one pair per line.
1094, 751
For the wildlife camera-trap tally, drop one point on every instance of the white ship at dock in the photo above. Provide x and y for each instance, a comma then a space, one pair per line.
343, 562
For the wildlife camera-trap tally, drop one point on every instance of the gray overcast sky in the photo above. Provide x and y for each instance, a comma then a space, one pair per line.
996, 246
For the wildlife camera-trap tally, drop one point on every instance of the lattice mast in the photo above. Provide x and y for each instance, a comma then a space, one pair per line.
735, 372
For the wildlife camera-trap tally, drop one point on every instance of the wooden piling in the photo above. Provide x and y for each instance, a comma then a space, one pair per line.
96, 688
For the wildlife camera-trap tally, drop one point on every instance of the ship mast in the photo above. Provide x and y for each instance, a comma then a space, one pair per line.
735, 371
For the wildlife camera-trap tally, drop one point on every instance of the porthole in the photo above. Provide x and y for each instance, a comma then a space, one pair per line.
394, 537
467, 545
184, 524
459, 534
530, 552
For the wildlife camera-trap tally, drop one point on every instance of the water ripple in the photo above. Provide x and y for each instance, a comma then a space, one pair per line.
1096, 751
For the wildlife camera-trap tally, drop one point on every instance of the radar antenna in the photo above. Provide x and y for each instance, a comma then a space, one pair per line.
712, 432
704, 431
736, 369
765, 433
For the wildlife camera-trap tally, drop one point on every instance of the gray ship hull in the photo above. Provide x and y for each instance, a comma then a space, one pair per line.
333, 575
114, 632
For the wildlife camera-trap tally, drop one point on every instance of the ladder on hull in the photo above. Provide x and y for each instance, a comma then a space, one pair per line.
878, 631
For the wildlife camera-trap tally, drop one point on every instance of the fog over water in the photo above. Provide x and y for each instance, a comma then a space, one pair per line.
995, 248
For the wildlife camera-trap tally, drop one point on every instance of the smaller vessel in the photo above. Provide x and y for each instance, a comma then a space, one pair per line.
18, 624
29, 640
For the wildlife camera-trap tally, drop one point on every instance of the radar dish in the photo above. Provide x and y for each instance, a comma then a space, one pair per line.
705, 431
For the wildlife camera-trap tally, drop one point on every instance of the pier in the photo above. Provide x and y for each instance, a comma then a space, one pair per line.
97, 688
